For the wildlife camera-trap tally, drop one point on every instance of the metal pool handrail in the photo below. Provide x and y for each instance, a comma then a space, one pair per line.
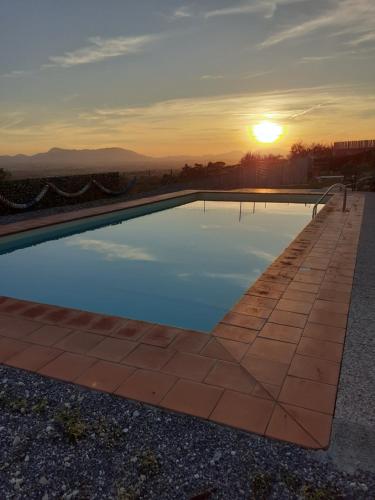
315, 207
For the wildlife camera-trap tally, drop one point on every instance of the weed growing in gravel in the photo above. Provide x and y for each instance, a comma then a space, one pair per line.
309, 492
40, 406
126, 494
261, 486
291, 481
149, 464
10, 402
110, 432
13, 403
72, 424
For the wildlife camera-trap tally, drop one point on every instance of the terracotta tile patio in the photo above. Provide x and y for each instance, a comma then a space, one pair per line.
271, 366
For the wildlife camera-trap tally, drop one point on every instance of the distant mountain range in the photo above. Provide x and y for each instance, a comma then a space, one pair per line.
59, 161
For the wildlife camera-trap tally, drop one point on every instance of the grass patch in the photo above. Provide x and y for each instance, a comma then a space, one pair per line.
74, 428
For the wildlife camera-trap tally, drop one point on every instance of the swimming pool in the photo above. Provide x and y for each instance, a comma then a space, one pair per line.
186, 264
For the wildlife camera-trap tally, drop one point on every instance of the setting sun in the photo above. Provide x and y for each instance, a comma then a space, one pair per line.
267, 131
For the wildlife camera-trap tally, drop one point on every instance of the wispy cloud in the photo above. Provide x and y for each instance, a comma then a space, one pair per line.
103, 48
368, 37
257, 74
352, 16
16, 73
112, 251
306, 111
313, 59
247, 8
212, 77
284, 104
181, 12
11, 120
265, 7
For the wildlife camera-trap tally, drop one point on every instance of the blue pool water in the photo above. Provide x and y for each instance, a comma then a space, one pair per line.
183, 266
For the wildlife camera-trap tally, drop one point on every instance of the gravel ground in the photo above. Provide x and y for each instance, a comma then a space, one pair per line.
58, 440
353, 440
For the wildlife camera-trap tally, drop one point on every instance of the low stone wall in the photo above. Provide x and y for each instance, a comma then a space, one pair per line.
24, 190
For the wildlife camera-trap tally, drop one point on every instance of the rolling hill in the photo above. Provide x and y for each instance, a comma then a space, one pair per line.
58, 161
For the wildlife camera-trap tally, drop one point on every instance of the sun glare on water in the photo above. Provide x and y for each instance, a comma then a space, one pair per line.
267, 131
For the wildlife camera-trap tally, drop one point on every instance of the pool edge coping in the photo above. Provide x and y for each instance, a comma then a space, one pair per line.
272, 282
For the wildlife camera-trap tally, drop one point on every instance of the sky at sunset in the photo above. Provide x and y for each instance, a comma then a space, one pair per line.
167, 77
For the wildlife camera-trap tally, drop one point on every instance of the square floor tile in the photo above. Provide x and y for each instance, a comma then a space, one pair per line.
60, 315
281, 332
330, 306
299, 295
288, 318
10, 347
243, 411
231, 376
67, 366
12, 306
318, 425
33, 358
79, 342
147, 386
255, 300
227, 350
310, 277
105, 376
243, 320
334, 295
148, 356
265, 370
231, 332
308, 394
328, 318
48, 335
320, 349
105, 324
324, 332
112, 349
190, 366
272, 285
304, 287
160, 336
35, 310
284, 427
274, 350
131, 330
266, 391
317, 369
17, 328
82, 320
192, 398
243, 308
294, 306
187, 341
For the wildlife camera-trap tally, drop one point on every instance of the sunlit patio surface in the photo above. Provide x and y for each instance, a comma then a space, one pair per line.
270, 367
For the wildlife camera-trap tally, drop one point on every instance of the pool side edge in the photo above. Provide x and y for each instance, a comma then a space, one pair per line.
279, 320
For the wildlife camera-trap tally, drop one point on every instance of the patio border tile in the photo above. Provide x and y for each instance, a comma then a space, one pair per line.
281, 344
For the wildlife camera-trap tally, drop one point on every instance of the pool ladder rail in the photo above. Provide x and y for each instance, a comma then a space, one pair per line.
342, 187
